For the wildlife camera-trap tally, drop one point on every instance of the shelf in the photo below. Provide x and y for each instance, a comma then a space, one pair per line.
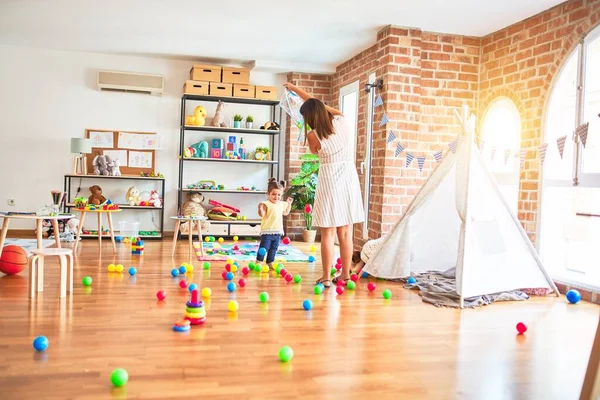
92, 235
247, 222
237, 100
124, 207
225, 191
230, 161
232, 130
129, 177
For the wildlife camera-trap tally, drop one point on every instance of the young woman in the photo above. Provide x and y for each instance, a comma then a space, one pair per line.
338, 201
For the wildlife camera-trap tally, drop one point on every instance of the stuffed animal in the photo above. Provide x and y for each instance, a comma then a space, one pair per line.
203, 149
96, 196
100, 165
271, 126
218, 118
193, 207
189, 152
133, 196
109, 165
72, 225
199, 116
155, 199
116, 171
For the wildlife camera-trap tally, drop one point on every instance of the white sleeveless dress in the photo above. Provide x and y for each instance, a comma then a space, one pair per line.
338, 198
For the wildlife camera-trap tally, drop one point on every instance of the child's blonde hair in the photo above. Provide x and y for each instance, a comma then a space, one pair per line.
273, 184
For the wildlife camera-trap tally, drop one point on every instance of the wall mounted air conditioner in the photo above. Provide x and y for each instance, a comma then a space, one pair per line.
131, 82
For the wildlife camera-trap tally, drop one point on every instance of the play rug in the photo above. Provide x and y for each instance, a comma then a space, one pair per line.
214, 251
28, 244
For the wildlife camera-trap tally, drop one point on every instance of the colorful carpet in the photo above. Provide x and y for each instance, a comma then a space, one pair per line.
246, 251
28, 244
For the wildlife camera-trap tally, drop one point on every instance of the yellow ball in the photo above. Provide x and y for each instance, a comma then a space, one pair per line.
244, 218
184, 264
207, 239
229, 261
221, 240
313, 248
190, 268
119, 268
233, 306
265, 268
206, 292
233, 268
111, 267
235, 238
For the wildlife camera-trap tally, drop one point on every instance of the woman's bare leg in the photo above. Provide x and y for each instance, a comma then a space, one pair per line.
344, 234
327, 243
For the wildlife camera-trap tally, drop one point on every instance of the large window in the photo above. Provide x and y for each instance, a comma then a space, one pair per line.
570, 214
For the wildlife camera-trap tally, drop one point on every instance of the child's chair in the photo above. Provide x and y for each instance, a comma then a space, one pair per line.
36, 266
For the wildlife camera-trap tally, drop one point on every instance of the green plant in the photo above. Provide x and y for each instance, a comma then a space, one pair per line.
237, 117
249, 118
303, 187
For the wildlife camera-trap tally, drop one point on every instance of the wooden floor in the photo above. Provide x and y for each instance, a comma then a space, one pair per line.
357, 345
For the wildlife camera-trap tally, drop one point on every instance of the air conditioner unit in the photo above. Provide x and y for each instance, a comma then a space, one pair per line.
131, 82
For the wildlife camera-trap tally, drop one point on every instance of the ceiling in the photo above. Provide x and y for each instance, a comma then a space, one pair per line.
311, 35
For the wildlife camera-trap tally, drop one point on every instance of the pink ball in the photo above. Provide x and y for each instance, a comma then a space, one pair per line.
161, 295
183, 283
245, 270
224, 275
521, 328
286, 240
338, 266
236, 247
283, 272
339, 261
228, 267
341, 282
354, 277
371, 286
242, 282
339, 290
289, 278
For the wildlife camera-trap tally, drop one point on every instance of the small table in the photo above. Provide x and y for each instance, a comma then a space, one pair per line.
110, 226
191, 221
38, 219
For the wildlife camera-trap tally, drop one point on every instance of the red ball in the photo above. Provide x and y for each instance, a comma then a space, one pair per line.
341, 282
339, 290
354, 277
13, 260
283, 272
245, 270
224, 275
228, 267
161, 295
371, 286
236, 247
339, 261
242, 282
338, 266
183, 283
286, 240
521, 328
289, 278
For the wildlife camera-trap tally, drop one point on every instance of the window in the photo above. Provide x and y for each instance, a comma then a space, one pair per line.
570, 203
501, 127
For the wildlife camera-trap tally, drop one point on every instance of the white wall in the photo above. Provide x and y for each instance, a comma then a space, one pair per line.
48, 96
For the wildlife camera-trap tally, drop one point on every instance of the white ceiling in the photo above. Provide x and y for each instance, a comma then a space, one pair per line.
300, 34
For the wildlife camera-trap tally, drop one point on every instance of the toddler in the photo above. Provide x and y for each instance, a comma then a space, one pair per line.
272, 212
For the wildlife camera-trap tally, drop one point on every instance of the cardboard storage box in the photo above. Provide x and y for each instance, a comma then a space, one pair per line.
220, 89
195, 87
205, 73
240, 90
266, 92
236, 75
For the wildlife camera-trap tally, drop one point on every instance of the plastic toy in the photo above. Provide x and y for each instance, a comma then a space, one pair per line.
206, 265
297, 278
286, 354
40, 343
354, 277
192, 287
152, 174
318, 289
307, 305
371, 286
233, 306
174, 272
311, 259
183, 283
231, 287
411, 280
351, 285
242, 282
573, 296
288, 278
387, 294
264, 269
132, 271
229, 276
137, 246
195, 312
521, 328
182, 269
264, 297
286, 240
206, 292
182, 326
283, 272
87, 281
339, 290
119, 377
161, 295
224, 275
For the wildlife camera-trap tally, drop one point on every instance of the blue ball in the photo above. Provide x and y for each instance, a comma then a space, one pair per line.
132, 271
229, 276
174, 272
231, 287
311, 258
262, 251
193, 286
411, 280
307, 304
364, 275
40, 343
182, 270
573, 296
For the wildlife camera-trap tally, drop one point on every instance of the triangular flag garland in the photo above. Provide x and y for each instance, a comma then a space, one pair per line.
384, 120
409, 158
582, 132
421, 162
399, 149
438, 155
452, 145
542, 152
560, 142
391, 137
506, 155
522, 157
493, 152
378, 101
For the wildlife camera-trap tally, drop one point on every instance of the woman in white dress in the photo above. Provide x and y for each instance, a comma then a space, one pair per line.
338, 200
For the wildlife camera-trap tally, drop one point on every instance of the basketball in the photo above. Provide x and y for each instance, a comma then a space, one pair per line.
13, 260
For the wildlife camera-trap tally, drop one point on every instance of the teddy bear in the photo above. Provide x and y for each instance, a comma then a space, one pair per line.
100, 165
133, 196
218, 118
116, 171
155, 199
193, 207
96, 197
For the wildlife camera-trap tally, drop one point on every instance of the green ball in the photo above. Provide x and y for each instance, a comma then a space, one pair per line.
278, 268
387, 294
286, 353
318, 289
333, 271
264, 297
119, 377
297, 278
206, 265
351, 285
87, 281
251, 266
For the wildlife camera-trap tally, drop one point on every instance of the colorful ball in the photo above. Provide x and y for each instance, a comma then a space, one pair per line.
212, 239
132, 271
224, 274
119, 268
521, 328
257, 267
245, 270
174, 272
242, 282
235, 238
286, 240
206, 265
411, 280
338, 266
111, 267
183, 283
161, 295
182, 269
87, 281
119, 377
233, 306
341, 282
332, 271
231, 287
206, 292
286, 354
307, 305
297, 278
371, 286
339, 290
283, 272
234, 268
387, 294
207, 239
229, 276
40, 343
364, 275
263, 297
354, 278
311, 259
338, 261
351, 285
229, 261
318, 289
227, 267
221, 240
573, 296
289, 278
251, 265
313, 248
265, 268
236, 247
192, 287
262, 251
190, 268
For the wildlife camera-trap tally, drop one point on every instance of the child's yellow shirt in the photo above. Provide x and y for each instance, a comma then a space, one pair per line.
272, 220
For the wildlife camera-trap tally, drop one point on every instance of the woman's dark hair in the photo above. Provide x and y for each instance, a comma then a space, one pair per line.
317, 118
273, 184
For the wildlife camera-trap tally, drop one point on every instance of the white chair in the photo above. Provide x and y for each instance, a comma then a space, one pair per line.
36, 266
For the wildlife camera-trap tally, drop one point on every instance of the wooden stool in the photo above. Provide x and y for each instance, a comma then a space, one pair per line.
191, 222
36, 265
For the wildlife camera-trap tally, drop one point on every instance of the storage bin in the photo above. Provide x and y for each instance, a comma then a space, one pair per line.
246, 91
195, 87
129, 229
266, 92
206, 73
244, 230
220, 89
216, 229
236, 75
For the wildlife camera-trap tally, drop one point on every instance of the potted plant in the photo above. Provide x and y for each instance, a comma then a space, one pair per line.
237, 121
249, 121
302, 190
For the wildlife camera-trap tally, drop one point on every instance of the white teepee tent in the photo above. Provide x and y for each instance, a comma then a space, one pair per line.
460, 218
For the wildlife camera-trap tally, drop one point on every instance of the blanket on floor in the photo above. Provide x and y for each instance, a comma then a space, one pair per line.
439, 288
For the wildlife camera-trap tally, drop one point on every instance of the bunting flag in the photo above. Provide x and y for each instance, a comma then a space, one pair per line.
453, 145
506, 155
438, 155
582, 132
391, 137
493, 152
384, 120
421, 162
378, 101
399, 149
561, 145
522, 157
542, 152
481, 145
409, 158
